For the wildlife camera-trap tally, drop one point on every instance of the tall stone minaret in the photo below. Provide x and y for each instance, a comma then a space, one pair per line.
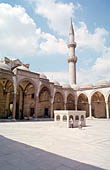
72, 59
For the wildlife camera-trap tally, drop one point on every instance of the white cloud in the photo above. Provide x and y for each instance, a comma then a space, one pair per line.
51, 45
57, 13
61, 77
18, 32
102, 64
95, 41
20, 36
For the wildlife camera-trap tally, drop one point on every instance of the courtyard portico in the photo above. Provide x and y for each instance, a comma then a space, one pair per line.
25, 94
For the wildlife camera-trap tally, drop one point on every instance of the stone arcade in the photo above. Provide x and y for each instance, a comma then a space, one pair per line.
26, 94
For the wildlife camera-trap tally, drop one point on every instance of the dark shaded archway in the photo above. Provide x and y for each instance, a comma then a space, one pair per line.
6, 98
58, 101
25, 100
83, 103
98, 105
70, 102
44, 105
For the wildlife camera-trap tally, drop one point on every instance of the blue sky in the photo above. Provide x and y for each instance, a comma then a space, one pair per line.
37, 32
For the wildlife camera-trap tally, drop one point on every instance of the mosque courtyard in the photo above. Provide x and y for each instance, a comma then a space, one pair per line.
42, 145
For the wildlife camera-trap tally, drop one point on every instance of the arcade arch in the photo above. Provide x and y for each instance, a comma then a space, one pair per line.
70, 102
98, 105
25, 101
58, 101
44, 105
109, 104
6, 97
83, 103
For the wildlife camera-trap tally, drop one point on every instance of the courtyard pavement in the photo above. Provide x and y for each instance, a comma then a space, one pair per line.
44, 146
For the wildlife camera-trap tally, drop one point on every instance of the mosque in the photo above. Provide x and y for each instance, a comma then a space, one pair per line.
25, 94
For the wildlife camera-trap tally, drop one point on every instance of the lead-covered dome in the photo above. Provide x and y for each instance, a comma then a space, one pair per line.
87, 85
75, 86
66, 86
23, 68
5, 66
101, 83
20, 68
43, 76
56, 82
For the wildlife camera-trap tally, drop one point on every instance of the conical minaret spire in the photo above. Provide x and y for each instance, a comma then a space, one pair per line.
72, 59
71, 28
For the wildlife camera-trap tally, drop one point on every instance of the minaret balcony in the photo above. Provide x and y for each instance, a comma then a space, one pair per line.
72, 45
72, 59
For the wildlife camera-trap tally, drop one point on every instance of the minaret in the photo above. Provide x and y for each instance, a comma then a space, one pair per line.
72, 59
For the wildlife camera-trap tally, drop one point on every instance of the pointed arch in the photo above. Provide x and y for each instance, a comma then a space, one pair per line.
58, 101
98, 105
6, 97
25, 99
70, 105
44, 105
83, 103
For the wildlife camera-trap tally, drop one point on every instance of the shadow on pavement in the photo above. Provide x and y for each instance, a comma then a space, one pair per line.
18, 156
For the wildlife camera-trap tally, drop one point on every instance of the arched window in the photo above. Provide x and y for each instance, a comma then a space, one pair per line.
58, 117
64, 118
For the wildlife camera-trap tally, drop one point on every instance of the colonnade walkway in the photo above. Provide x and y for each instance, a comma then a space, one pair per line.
44, 146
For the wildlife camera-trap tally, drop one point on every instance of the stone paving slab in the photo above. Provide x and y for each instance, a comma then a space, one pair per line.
44, 146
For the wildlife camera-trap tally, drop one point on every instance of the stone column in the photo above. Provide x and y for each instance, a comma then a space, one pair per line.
67, 121
7, 104
52, 114
64, 106
75, 104
107, 111
90, 111
14, 98
14, 106
36, 107
20, 103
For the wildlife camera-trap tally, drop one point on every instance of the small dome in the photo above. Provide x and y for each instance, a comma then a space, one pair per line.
75, 86
43, 76
87, 85
66, 86
5, 66
101, 83
23, 68
56, 82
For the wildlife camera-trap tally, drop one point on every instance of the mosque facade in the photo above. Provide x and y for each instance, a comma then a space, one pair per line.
25, 94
